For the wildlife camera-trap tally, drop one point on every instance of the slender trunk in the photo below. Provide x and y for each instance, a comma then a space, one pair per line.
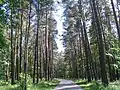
118, 31
51, 69
49, 54
12, 54
37, 43
101, 46
75, 61
46, 46
92, 67
81, 57
35, 57
40, 59
21, 33
25, 59
17, 57
86, 53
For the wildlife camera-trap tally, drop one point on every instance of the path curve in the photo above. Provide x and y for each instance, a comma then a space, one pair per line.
67, 85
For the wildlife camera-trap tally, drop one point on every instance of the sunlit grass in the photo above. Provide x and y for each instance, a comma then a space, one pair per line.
42, 85
50, 85
98, 86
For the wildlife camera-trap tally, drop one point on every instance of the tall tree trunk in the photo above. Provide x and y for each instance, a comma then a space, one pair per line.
25, 59
49, 54
17, 56
101, 47
46, 47
21, 33
26, 47
75, 60
40, 62
81, 57
118, 31
51, 68
12, 54
86, 55
38, 17
34, 67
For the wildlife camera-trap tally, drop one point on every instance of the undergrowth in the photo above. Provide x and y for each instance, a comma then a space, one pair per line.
97, 85
42, 85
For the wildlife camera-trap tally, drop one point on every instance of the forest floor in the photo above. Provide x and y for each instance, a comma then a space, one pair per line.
97, 85
50, 85
42, 85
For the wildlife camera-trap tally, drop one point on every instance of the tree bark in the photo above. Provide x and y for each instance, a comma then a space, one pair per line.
101, 46
12, 54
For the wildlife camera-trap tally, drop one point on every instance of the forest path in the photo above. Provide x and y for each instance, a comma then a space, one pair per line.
67, 85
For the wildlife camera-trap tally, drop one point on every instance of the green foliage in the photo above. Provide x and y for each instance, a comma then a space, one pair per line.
42, 85
2, 37
46, 2
97, 85
4, 50
1, 1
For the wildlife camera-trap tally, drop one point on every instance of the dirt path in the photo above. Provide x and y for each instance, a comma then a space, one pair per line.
67, 85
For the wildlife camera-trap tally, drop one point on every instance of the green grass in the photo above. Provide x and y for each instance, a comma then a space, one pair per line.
50, 85
98, 86
42, 85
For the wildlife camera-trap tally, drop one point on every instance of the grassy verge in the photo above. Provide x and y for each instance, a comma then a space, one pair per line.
97, 85
42, 85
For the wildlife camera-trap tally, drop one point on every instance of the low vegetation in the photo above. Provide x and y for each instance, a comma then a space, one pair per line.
97, 85
42, 85
50, 85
